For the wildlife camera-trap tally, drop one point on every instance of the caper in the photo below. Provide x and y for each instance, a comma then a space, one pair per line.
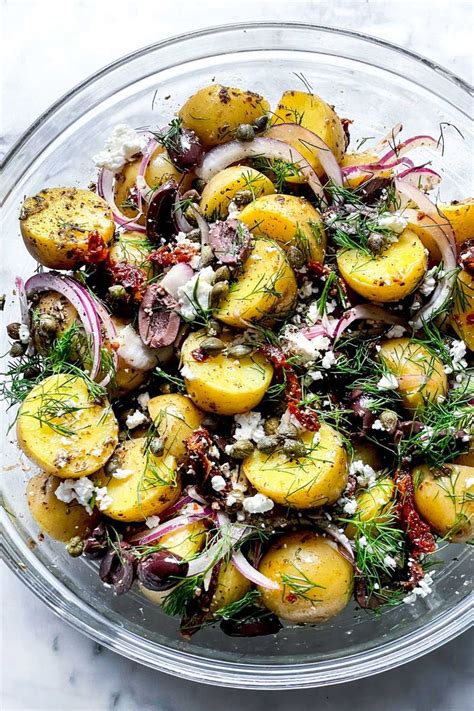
245, 132
218, 292
194, 235
389, 420
47, 324
157, 446
239, 351
13, 330
207, 255
212, 345
294, 449
271, 425
268, 444
241, 449
376, 243
222, 274
243, 197
261, 122
18, 349
213, 327
288, 430
31, 372
295, 257
117, 292
75, 547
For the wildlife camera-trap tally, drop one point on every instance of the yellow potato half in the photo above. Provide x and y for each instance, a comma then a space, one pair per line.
175, 418
389, 276
152, 484
62, 430
288, 220
315, 580
221, 189
419, 372
462, 314
215, 111
446, 502
314, 480
221, 383
372, 504
231, 586
56, 224
265, 288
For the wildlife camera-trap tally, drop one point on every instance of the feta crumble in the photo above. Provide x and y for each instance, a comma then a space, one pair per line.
390, 562
365, 474
457, 352
257, 504
218, 482
122, 473
422, 590
24, 333
82, 490
329, 358
143, 399
396, 331
393, 221
152, 521
350, 506
122, 145
186, 372
428, 285
387, 382
102, 499
308, 349
194, 296
249, 426
136, 419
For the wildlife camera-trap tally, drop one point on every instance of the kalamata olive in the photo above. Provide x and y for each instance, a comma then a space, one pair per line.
118, 568
13, 330
160, 570
160, 222
96, 545
230, 241
158, 323
185, 149
254, 624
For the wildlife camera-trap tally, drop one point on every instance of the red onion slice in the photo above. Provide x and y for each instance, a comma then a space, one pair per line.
375, 169
175, 278
224, 155
365, 311
144, 538
82, 302
340, 538
143, 189
105, 188
421, 177
23, 301
409, 145
389, 137
111, 334
251, 573
289, 132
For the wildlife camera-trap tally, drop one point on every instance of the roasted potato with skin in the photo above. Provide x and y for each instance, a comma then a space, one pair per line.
446, 501
315, 580
462, 314
372, 504
63, 430
221, 189
215, 112
289, 220
420, 373
311, 112
175, 418
57, 519
231, 586
460, 215
314, 480
52, 316
133, 248
223, 384
151, 486
265, 288
56, 224
388, 276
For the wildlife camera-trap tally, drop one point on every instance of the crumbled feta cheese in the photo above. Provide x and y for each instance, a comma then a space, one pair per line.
305, 290
136, 419
422, 590
350, 506
218, 482
61, 458
143, 399
329, 359
378, 425
396, 331
122, 145
186, 372
388, 382
428, 285
80, 490
390, 562
152, 521
24, 333
362, 541
194, 295
122, 473
308, 349
393, 221
257, 504
457, 352
249, 426
102, 499
315, 375
366, 476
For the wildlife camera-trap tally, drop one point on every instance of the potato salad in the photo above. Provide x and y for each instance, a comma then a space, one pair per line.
241, 367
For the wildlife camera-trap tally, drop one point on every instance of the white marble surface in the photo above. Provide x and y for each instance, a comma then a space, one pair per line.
48, 47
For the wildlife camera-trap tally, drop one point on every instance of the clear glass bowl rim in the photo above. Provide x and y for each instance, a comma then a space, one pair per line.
190, 666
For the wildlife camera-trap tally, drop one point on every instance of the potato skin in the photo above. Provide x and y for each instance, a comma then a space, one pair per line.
301, 483
311, 112
222, 384
389, 276
151, 488
420, 373
462, 315
288, 220
175, 418
221, 189
446, 502
318, 582
265, 288
57, 519
56, 224
215, 111
372, 504
231, 586
93, 426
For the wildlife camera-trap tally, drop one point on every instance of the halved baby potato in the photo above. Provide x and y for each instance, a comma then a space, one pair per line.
56, 518
148, 484
221, 383
133, 248
314, 480
372, 504
315, 580
388, 276
462, 314
265, 288
446, 501
175, 418
420, 373
56, 224
214, 112
63, 430
288, 220
311, 112
231, 586
221, 189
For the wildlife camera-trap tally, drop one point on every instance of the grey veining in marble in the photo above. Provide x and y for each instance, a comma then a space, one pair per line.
48, 47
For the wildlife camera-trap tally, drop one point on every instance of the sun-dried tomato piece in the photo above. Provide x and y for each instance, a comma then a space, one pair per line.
167, 255
97, 250
418, 532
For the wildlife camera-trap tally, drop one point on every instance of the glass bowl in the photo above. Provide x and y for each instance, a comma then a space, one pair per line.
376, 85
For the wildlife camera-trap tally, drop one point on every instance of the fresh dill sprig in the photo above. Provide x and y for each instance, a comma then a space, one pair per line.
178, 599
175, 380
279, 171
234, 610
300, 584
169, 138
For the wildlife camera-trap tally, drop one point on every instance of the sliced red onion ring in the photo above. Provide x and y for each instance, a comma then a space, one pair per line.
192, 492
375, 168
144, 538
315, 331
251, 573
224, 155
340, 538
421, 177
82, 301
111, 334
181, 222
176, 277
105, 188
409, 145
364, 311
143, 189
389, 137
202, 224
23, 301
292, 132
181, 503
